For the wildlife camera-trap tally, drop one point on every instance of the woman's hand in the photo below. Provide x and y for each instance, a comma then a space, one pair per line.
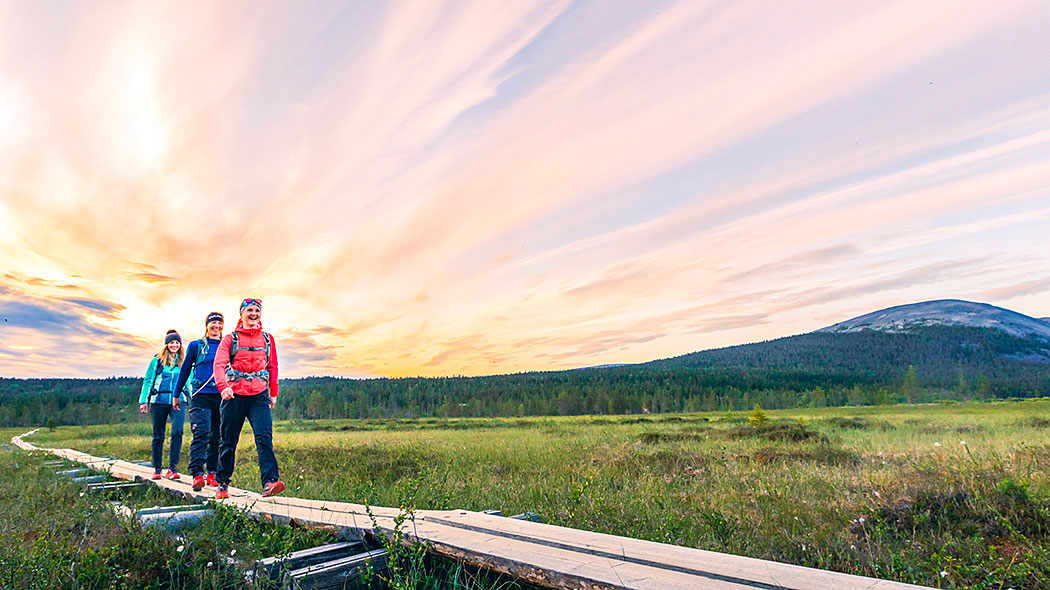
273, 401
143, 408
227, 393
175, 404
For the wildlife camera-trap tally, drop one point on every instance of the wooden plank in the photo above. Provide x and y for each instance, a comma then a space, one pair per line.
272, 567
339, 573
708, 564
168, 509
173, 520
108, 487
91, 479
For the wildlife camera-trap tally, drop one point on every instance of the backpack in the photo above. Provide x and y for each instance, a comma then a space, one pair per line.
234, 347
161, 377
235, 375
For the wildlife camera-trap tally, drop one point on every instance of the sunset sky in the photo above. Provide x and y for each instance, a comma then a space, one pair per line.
464, 188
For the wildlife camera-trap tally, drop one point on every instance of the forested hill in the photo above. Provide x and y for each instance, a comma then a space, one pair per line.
898, 361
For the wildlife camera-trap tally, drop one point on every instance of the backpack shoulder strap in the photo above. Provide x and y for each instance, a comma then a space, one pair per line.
266, 337
233, 346
202, 350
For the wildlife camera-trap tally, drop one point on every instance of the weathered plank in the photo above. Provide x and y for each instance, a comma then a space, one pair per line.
337, 574
174, 521
88, 479
272, 567
113, 487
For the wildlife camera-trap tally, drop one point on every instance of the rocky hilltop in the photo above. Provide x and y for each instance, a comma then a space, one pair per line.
945, 312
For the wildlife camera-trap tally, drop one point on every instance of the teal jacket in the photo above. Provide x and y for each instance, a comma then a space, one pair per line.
162, 379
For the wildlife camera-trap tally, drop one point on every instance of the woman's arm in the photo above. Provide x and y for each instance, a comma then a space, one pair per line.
187, 365
147, 381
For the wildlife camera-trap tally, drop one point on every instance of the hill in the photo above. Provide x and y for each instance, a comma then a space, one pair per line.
950, 343
946, 312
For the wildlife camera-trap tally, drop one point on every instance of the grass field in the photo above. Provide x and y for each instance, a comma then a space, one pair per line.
953, 496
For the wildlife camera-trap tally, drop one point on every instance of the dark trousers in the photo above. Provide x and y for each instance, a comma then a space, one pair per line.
256, 408
205, 426
160, 414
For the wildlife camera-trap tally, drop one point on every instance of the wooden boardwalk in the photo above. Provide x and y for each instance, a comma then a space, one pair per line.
543, 554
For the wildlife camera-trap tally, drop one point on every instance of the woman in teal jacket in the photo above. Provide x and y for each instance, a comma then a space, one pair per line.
158, 397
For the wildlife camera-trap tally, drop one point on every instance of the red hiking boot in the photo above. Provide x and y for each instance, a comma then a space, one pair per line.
273, 488
156, 475
210, 480
171, 474
222, 494
198, 483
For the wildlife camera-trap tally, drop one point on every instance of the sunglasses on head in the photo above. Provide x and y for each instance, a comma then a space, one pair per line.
255, 302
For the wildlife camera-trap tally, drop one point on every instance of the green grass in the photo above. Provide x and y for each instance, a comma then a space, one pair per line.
953, 495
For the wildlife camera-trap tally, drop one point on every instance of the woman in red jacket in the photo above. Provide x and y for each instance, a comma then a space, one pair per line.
245, 372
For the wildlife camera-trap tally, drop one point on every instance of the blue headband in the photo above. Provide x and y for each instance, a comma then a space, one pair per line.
250, 301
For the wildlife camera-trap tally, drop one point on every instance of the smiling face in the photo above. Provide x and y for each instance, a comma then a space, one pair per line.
251, 316
214, 329
174, 346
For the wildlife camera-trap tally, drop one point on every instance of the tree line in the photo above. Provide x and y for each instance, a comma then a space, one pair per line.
811, 370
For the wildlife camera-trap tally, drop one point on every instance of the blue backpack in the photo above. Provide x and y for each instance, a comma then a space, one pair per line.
202, 355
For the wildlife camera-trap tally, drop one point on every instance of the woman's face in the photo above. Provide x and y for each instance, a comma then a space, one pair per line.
215, 329
251, 316
174, 346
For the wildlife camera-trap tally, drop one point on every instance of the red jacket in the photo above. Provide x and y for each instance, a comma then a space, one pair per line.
247, 361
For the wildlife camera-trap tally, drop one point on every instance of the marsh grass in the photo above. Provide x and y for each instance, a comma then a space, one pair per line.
953, 495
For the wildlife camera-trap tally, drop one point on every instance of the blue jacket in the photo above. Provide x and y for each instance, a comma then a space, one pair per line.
162, 379
199, 375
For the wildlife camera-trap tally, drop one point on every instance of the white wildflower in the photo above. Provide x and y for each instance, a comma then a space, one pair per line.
944, 573
81, 494
962, 442
180, 548
853, 547
880, 453
936, 444
861, 520
233, 552
883, 462
210, 564
877, 494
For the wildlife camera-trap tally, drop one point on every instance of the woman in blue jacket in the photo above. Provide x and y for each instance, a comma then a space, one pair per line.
160, 399
204, 402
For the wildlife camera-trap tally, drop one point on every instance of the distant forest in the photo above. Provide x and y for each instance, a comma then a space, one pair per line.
810, 370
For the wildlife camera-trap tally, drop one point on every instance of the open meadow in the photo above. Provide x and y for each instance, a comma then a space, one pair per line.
949, 495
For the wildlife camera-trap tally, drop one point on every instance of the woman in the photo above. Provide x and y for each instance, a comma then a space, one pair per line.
158, 397
245, 372
204, 402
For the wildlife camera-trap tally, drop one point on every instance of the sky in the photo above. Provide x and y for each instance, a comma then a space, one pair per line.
466, 188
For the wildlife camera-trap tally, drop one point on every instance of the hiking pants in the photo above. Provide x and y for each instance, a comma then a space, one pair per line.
256, 408
204, 424
160, 414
